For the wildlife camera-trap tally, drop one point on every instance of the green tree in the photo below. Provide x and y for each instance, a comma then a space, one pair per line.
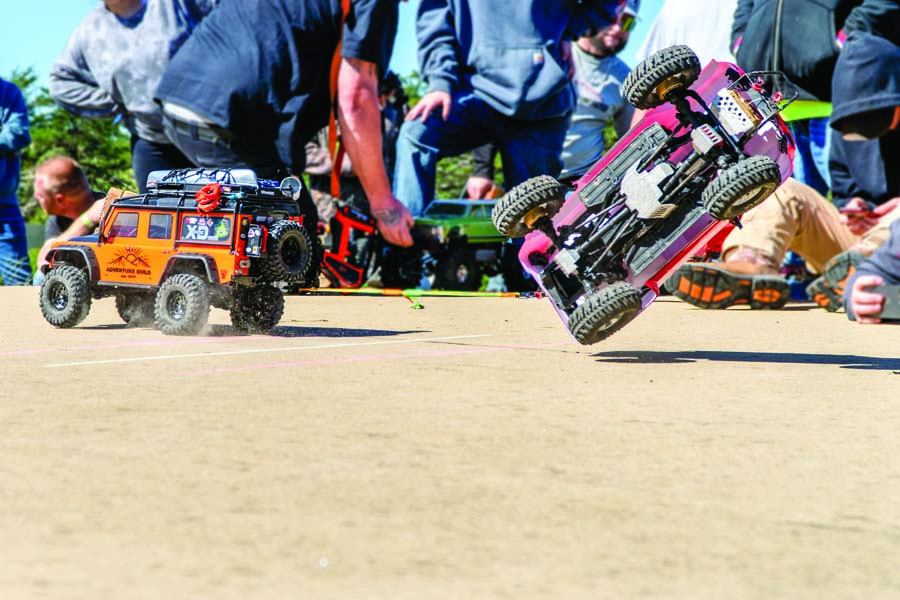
102, 146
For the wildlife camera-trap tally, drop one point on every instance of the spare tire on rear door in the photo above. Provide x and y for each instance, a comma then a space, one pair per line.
288, 252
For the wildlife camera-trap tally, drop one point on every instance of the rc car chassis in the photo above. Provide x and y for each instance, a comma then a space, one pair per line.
710, 147
198, 238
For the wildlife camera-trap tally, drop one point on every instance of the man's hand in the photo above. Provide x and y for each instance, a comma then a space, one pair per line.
428, 104
865, 305
42, 253
883, 209
857, 216
478, 187
394, 222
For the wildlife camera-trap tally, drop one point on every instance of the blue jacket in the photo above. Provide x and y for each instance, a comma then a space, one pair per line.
800, 37
508, 51
14, 137
884, 262
867, 77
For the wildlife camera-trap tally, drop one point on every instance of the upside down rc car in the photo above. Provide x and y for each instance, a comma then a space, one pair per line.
710, 147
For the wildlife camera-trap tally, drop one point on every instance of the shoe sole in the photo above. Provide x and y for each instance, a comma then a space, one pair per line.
819, 292
828, 290
708, 286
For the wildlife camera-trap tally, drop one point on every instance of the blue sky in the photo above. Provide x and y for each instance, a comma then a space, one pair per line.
33, 33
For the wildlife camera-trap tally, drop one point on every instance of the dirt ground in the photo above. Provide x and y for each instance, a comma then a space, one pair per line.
467, 450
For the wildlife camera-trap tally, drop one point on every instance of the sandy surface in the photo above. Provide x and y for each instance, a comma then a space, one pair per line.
467, 450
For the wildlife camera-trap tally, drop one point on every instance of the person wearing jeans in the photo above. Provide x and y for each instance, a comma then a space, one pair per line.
14, 136
495, 72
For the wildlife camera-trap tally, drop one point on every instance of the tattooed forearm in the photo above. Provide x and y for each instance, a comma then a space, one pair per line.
387, 216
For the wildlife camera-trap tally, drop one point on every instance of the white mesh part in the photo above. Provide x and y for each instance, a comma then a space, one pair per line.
735, 121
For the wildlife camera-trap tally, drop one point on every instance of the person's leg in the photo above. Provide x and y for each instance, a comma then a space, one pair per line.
147, 157
809, 154
819, 145
527, 149
795, 217
751, 255
421, 145
828, 289
531, 148
15, 268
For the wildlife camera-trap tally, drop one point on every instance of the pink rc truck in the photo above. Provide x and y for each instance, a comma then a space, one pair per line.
710, 147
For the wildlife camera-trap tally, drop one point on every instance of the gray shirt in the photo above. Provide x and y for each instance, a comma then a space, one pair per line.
110, 67
599, 85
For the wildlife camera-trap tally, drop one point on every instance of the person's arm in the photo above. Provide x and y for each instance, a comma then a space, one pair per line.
360, 118
883, 267
481, 182
74, 87
437, 45
437, 58
14, 134
878, 17
590, 17
843, 185
846, 194
86, 223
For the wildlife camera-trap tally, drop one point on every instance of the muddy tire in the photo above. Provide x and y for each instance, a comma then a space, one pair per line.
401, 268
288, 252
605, 312
741, 186
65, 296
182, 305
257, 309
650, 82
137, 310
531, 199
459, 271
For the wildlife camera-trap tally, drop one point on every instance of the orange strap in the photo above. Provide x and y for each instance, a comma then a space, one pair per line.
337, 154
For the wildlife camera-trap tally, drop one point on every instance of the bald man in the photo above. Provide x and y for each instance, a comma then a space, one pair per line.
63, 191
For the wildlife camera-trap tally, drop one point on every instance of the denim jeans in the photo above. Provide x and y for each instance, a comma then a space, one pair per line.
813, 137
147, 157
527, 148
15, 269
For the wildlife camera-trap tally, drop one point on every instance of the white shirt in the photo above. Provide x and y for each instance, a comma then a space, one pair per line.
703, 25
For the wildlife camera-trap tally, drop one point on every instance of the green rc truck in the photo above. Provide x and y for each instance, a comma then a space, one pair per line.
198, 238
463, 244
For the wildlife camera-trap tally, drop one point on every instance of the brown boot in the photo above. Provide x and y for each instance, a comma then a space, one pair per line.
746, 277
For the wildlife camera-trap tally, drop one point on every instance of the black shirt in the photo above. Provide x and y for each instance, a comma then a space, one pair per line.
261, 68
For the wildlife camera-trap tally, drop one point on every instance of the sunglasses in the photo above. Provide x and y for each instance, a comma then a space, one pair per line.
627, 22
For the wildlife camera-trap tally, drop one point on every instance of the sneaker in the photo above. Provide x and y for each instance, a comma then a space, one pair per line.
374, 279
706, 285
828, 290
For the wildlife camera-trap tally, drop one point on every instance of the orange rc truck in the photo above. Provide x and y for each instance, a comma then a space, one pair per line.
198, 238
